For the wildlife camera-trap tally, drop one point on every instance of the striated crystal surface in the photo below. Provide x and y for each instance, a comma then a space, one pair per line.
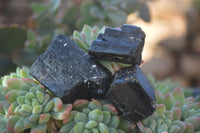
69, 73
132, 93
123, 45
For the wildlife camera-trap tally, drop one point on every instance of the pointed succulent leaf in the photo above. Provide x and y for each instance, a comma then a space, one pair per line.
169, 101
16, 111
189, 128
180, 124
40, 96
185, 111
27, 108
178, 94
195, 121
48, 106
58, 104
189, 100
46, 99
37, 109
107, 65
14, 83
70, 117
11, 96
63, 113
81, 44
176, 113
12, 108
94, 33
174, 129
87, 30
159, 97
160, 108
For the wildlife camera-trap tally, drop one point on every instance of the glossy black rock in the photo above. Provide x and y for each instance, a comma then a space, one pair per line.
69, 73
123, 45
132, 93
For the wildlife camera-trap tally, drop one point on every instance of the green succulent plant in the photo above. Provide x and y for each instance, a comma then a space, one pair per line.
162, 86
20, 73
95, 117
174, 114
84, 40
3, 116
32, 108
168, 86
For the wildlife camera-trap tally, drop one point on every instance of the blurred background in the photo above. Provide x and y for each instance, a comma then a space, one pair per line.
172, 27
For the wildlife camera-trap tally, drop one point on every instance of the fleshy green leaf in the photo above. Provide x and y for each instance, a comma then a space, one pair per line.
91, 124
96, 115
103, 128
80, 117
44, 118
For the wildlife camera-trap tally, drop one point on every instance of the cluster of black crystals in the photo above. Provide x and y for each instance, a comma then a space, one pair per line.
70, 73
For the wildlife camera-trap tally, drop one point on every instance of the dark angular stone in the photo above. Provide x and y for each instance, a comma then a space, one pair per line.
123, 45
132, 93
69, 73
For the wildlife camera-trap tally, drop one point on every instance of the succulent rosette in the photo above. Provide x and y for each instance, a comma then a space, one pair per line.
20, 73
174, 114
95, 117
31, 107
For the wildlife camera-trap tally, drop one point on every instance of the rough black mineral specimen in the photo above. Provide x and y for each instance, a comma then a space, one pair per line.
123, 45
69, 72
132, 93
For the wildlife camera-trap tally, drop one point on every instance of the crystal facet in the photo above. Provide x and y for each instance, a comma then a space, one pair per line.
132, 93
69, 73
123, 45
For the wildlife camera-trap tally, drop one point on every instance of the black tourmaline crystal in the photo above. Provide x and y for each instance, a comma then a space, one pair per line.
69, 72
123, 45
132, 93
